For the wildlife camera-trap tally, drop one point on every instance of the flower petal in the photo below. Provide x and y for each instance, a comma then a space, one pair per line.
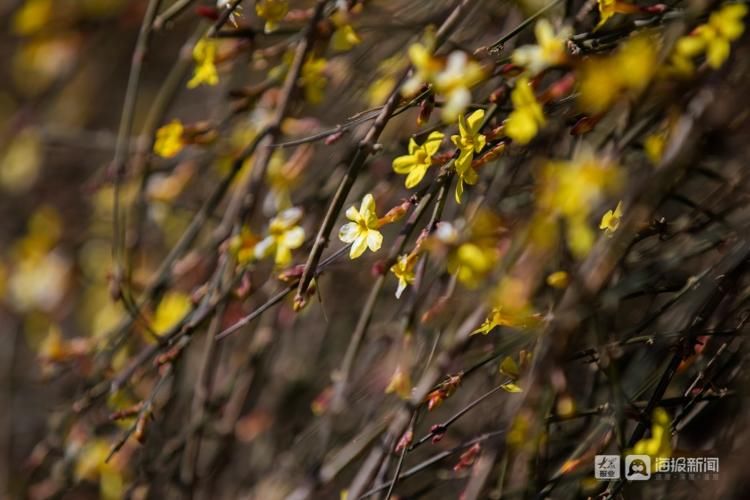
432, 144
349, 232
403, 164
415, 176
474, 121
374, 240
293, 238
352, 214
358, 247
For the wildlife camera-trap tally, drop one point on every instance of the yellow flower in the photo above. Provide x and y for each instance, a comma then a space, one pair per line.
32, 16
527, 116
314, 79
242, 246
204, 55
454, 82
660, 442
469, 141
425, 65
608, 8
419, 159
90, 465
362, 232
169, 139
549, 51
611, 220
344, 38
713, 39
272, 11
400, 384
603, 79
558, 279
171, 310
404, 271
570, 189
521, 318
284, 235
471, 262
653, 146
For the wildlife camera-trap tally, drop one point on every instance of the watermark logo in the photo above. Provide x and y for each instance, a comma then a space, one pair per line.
637, 467
607, 467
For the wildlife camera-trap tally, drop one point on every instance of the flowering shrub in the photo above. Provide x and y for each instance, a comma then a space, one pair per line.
320, 248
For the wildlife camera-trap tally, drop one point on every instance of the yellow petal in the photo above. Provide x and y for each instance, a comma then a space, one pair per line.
432, 144
374, 240
415, 176
349, 232
474, 121
358, 247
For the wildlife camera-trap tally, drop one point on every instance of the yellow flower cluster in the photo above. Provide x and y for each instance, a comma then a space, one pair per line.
468, 141
712, 39
452, 77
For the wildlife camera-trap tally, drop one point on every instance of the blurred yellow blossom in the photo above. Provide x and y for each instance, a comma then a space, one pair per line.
603, 79
571, 189
272, 11
527, 117
362, 232
242, 246
313, 79
713, 38
460, 74
608, 8
344, 38
171, 310
468, 141
425, 66
558, 279
400, 384
550, 49
403, 269
204, 55
611, 220
19, 166
91, 465
284, 235
169, 141
521, 318
660, 442
471, 262
32, 16
419, 159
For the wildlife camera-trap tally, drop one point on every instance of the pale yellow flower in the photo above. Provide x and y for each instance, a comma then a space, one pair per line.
403, 269
284, 235
362, 232
550, 49
272, 11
